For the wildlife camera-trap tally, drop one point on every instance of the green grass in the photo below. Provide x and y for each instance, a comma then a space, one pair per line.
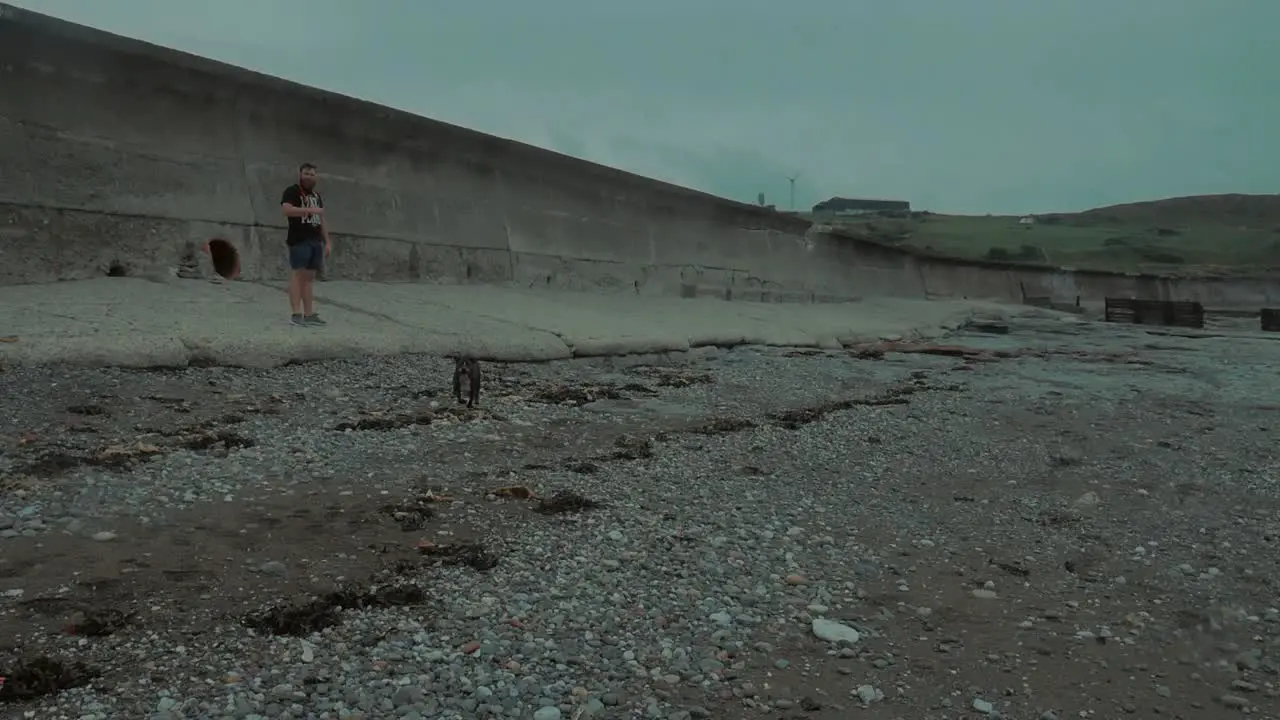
1096, 239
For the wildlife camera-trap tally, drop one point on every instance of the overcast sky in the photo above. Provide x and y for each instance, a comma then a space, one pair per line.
1002, 106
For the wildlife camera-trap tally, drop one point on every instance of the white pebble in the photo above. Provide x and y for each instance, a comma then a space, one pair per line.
832, 631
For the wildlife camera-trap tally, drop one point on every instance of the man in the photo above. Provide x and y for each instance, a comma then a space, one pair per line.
308, 242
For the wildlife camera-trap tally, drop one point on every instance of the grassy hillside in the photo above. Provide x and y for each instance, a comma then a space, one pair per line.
1207, 233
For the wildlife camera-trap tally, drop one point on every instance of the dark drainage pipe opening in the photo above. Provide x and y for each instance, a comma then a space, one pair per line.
226, 259
117, 269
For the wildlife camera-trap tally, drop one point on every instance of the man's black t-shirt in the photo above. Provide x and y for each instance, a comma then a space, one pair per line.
306, 228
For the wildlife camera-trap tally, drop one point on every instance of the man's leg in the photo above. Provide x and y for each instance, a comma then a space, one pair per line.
309, 283
297, 282
308, 298
297, 263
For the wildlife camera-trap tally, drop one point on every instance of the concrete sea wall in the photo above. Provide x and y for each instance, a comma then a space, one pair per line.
122, 156
121, 152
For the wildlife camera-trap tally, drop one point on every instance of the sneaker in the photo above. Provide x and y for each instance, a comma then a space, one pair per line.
313, 319
296, 320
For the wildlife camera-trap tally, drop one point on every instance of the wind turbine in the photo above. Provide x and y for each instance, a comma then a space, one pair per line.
792, 179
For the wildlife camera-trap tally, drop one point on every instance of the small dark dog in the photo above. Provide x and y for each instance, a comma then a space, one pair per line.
469, 368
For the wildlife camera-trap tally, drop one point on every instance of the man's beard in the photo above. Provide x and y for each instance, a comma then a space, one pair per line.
308, 184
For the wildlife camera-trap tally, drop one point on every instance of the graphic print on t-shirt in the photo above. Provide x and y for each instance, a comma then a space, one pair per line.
311, 200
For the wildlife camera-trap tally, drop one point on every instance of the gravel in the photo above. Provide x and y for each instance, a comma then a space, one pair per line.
1076, 530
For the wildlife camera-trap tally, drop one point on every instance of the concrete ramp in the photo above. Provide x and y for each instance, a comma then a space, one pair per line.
138, 323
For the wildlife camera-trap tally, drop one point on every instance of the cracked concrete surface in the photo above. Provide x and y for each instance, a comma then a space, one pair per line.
140, 323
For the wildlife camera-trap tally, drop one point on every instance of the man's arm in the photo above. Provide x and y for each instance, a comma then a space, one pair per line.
291, 205
324, 227
291, 210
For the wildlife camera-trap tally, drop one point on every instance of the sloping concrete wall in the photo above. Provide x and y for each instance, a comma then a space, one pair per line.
949, 278
115, 151
118, 151
888, 270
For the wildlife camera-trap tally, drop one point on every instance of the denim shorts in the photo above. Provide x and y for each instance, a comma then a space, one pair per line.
307, 255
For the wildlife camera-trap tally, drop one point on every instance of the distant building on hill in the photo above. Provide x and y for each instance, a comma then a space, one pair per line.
838, 206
